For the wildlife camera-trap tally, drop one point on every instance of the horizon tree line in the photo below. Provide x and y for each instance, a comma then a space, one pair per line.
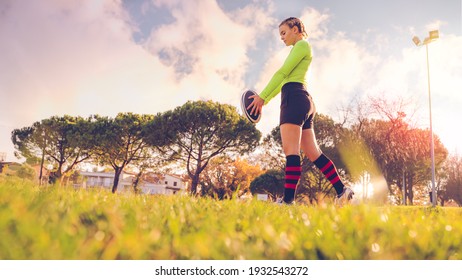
200, 132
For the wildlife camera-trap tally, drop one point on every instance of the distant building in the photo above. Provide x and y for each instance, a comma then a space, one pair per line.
148, 184
3, 162
162, 184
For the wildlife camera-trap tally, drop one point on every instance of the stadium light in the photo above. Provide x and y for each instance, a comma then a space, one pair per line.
433, 36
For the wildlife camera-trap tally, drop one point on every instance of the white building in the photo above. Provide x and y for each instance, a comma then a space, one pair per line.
149, 183
165, 184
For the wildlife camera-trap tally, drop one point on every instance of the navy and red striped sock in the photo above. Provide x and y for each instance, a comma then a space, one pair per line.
327, 167
293, 173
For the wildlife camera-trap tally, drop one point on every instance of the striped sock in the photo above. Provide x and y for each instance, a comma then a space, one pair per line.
327, 167
293, 172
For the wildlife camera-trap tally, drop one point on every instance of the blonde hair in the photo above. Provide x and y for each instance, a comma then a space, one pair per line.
293, 21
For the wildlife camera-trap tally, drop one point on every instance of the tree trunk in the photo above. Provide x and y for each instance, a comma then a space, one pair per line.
411, 191
54, 176
118, 171
42, 161
137, 181
194, 183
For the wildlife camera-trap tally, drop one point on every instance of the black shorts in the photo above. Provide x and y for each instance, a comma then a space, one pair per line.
297, 106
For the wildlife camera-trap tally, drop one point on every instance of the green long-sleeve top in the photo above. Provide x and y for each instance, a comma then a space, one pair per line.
294, 69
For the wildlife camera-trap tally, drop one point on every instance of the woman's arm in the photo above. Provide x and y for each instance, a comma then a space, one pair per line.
298, 52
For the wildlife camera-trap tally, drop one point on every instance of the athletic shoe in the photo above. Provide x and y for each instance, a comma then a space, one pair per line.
280, 201
345, 197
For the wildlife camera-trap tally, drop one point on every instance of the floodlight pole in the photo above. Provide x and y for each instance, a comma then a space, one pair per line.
433, 36
432, 145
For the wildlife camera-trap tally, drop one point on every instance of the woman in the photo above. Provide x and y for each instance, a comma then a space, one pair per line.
297, 113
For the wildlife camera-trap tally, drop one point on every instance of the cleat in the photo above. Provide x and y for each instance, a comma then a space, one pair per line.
280, 201
345, 197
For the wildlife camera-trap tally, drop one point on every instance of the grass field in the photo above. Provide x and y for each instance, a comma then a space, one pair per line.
63, 223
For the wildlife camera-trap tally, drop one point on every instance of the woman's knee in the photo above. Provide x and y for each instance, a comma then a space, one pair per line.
313, 154
290, 136
291, 147
291, 151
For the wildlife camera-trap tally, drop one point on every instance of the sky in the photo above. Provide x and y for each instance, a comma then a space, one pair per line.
83, 57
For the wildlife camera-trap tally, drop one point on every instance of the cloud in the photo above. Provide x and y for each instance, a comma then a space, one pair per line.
436, 24
71, 57
445, 61
315, 23
208, 47
340, 68
79, 58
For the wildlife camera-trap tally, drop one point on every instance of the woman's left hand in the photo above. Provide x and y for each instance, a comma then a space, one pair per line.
256, 104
